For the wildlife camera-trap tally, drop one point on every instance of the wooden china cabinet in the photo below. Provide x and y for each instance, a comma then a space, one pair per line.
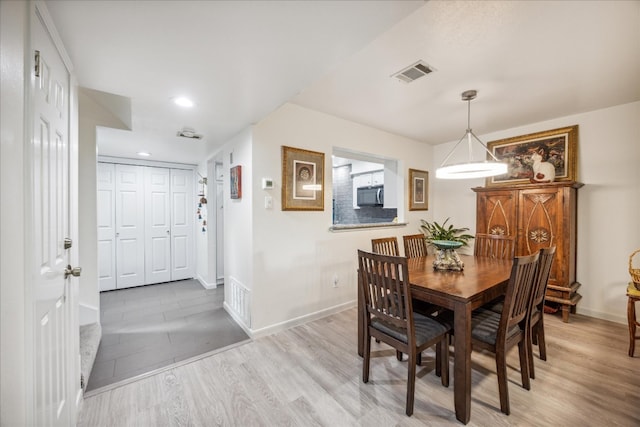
538, 216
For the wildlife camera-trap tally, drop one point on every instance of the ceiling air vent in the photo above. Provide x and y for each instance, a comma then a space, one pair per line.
413, 72
189, 133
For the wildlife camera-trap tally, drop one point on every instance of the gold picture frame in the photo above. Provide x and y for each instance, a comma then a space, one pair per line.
559, 145
302, 180
418, 190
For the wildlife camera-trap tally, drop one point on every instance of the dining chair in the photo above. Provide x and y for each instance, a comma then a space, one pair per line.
536, 311
494, 246
499, 332
389, 317
414, 246
385, 246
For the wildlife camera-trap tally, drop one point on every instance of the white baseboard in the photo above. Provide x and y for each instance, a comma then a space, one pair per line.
206, 284
600, 315
237, 319
88, 314
256, 333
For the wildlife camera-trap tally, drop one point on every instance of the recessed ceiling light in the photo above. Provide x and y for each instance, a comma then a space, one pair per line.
143, 154
183, 101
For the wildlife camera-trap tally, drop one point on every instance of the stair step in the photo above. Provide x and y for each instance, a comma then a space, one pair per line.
90, 336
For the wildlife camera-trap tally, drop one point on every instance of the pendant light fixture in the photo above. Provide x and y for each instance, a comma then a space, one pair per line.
470, 169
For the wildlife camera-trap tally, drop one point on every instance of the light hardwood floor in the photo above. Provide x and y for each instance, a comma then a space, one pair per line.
310, 375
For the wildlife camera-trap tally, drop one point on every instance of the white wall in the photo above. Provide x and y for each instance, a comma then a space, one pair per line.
13, 48
295, 254
238, 225
608, 204
201, 239
91, 115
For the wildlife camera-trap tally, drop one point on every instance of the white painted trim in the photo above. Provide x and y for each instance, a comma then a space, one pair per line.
43, 12
278, 327
142, 162
205, 284
602, 315
237, 319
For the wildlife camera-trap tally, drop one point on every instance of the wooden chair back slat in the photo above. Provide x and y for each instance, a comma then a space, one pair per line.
385, 246
494, 246
414, 246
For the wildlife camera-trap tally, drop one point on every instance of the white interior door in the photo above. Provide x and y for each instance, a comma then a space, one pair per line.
129, 226
182, 223
157, 225
56, 352
106, 177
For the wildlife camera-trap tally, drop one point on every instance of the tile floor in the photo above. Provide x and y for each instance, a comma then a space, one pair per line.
149, 327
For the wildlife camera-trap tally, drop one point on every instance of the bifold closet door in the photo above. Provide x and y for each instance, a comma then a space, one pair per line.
182, 223
106, 180
157, 225
129, 226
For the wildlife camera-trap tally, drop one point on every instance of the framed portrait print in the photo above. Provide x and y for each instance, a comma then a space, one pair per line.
557, 147
418, 190
302, 180
235, 176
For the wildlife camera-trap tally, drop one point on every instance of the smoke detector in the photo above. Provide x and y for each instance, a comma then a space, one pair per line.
413, 72
189, 133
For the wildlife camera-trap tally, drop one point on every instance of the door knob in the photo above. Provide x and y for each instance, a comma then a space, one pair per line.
75, 272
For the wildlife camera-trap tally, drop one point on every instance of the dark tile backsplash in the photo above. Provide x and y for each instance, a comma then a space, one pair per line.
343, 211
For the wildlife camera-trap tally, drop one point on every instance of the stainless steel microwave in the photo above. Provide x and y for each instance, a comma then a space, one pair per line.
371, 196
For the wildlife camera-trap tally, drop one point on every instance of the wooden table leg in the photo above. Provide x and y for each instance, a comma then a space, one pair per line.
462, 362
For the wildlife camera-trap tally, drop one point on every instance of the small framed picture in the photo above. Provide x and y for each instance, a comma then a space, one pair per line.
418, 190
302, 180
235, 178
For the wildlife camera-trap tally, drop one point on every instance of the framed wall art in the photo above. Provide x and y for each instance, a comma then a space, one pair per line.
556, 147
302, 180
418, 190
235, 178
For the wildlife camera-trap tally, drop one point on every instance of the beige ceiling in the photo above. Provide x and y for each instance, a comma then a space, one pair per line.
240, 60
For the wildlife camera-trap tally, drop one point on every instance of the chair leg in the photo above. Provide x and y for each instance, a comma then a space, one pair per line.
366, 358
524, 364
531, 334
501, 370
399, 355
411, 381
542, 346
419, 359
631, 317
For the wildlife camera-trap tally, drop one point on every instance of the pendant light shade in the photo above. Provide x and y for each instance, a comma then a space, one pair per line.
471, 168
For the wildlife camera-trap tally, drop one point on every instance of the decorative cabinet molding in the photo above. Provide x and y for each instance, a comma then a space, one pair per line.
538, 216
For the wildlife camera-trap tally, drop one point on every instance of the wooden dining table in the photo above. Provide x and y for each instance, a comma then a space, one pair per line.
481, 280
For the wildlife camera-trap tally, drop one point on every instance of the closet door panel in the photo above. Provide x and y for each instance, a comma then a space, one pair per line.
129, 216
106, 226
157, 225
182, 223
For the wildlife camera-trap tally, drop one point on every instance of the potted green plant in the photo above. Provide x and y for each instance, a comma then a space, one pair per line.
435, 232
446, 239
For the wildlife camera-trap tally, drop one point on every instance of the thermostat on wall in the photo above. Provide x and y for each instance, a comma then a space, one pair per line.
267, 183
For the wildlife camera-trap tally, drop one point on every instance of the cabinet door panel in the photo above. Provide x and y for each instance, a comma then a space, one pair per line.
541, 224
497, 213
